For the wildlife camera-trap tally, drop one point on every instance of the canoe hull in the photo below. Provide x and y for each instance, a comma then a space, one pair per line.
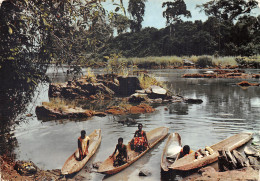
175, 140
72, 165
189, 163
153, 137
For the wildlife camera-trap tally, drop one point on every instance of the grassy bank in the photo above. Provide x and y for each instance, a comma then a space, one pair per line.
175, 61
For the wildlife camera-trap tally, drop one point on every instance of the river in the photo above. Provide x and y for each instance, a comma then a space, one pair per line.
227, 109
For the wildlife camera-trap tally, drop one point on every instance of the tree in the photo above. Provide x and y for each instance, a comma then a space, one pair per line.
227, 10
34, 33
121, 23
136, 8
174, 11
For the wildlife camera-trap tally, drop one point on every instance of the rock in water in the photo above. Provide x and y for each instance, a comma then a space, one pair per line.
156, 92
145, 173
250, 151
254, 163
25, 168
128, 85
138, 97
193, 101
241, 160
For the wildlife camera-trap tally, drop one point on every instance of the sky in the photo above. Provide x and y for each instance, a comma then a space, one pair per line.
153, 11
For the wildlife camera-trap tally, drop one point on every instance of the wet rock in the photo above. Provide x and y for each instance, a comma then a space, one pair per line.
96, 165
128, 85
79, 89
193, 101
145, 173
25, 168
100, 114
128, 121
43, 112
142, 108
251, 151
138, 97
241, 160
157, 92
140, 91
115, 110
254, 163
246, 84
129, 109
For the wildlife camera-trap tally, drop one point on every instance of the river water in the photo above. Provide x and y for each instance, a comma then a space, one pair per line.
227, 109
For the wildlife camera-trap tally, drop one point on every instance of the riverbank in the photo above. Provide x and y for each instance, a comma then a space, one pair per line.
8, 172
184, 62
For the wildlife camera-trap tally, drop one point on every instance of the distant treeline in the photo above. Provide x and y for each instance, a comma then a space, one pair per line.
212, 37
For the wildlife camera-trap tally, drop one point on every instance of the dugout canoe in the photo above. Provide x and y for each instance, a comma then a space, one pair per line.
189, 162
170, 151
153, 136
72, 165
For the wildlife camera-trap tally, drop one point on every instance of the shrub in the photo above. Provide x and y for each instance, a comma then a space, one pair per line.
204, 62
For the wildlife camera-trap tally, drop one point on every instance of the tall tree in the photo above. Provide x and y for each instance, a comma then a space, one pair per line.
174, 11
228, 10
136, 8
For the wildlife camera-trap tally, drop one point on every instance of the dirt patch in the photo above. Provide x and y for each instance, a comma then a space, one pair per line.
247, 173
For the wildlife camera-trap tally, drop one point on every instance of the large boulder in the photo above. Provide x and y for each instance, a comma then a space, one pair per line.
155, 92
128, 85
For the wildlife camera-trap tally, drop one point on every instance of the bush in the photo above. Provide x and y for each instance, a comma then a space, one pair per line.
204, 62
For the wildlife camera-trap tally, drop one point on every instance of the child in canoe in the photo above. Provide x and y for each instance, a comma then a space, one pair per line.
83, 144
140, 142
121, 158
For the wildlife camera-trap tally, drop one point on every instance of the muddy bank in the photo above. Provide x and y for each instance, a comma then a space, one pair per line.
8, 170
209, 173
222, 74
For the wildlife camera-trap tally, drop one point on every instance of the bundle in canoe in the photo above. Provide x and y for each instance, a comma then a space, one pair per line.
170, 151
72, 165
153, 136
189, 162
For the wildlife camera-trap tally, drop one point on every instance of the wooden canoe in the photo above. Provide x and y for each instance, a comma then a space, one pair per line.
189, 162
72, 165
153, 136
174, 143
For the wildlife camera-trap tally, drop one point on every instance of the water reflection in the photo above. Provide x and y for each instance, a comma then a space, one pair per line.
226, 109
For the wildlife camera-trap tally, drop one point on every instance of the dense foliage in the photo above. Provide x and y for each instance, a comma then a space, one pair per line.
229, 30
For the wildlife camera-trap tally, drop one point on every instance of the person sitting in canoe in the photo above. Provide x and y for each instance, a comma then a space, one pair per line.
83, 143
121, 158
185, 151
140, 142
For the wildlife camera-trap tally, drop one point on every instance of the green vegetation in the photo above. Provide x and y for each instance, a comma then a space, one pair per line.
148, 80
200, 61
